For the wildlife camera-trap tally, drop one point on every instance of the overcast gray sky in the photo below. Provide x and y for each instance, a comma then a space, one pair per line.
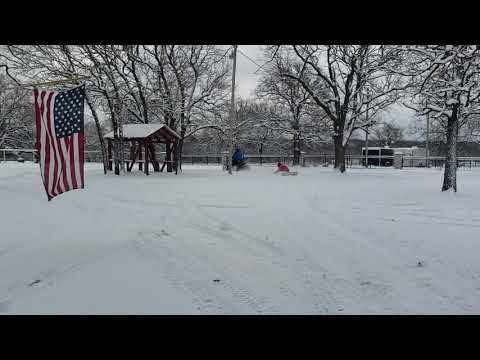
247, 80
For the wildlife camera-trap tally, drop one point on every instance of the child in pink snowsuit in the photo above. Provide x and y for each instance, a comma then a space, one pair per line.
282, 167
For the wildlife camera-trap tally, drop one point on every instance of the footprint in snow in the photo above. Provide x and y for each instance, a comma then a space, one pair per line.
225, 227
160, 234
35, 282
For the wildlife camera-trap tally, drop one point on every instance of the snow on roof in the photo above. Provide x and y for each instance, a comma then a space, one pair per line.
377, 148
394, 148
409, 148
132, 131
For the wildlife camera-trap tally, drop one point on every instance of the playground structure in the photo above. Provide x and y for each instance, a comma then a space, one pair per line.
142, 139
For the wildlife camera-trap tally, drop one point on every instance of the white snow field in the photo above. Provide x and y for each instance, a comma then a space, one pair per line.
204, 242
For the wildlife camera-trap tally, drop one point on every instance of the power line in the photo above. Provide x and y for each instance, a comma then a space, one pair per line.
258, 66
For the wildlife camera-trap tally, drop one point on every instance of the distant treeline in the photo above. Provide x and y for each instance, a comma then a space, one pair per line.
354, 147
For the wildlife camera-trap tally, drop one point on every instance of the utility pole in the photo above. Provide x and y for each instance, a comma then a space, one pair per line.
120, 113
366, 147
232, 111
366, 131
427, 145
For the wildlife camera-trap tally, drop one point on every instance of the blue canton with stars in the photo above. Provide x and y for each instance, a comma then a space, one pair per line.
68, 112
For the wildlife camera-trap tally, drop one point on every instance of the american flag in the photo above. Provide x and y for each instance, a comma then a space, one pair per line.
60, 138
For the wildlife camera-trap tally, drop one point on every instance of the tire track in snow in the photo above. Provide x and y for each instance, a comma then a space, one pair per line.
258, 304
243, 241
301, 267
364, 286
252, 245
176, 271
227, 229
48, 277
378, 289
323, 292
181, 270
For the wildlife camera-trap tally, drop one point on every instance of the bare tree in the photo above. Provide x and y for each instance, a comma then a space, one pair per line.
471, 130
290, 99
446, 85
388, 133
53, 62
16, 116
345, 81
261, 131
270, 128
101, 63
176, 84
191, 81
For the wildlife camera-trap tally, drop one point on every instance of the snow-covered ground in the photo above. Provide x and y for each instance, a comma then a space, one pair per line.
204, 242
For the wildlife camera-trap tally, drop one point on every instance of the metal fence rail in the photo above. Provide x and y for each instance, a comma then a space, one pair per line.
305, 159
375, 160
30, 155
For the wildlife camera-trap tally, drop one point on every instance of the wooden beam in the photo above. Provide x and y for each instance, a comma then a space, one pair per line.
152, 157
140, 156
175, 157
145, 144
134, 158
132, 150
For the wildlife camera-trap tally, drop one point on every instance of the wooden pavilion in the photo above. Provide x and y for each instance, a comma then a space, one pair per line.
142, 139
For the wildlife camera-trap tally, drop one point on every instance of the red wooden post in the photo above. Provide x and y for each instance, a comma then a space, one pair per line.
110, 164
146, 156
155, 162
132, 156
140, 157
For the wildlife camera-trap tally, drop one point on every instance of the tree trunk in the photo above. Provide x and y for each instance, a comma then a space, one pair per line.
115, 149
297, 147
179, 153
168, 156
175, 156
450, 172
116, 152
115, 127
140, 156
183, 131
109, 155
121, 145
339, 153
99, 132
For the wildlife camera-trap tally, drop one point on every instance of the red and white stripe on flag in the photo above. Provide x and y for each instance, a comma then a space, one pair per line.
61, 155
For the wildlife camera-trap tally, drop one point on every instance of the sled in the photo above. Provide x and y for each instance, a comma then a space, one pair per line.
290, 173
243, 168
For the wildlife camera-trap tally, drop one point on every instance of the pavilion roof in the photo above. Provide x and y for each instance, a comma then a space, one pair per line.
142, 131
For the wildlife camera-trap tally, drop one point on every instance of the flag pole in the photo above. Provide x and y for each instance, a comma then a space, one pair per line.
56, 82
46, 83
232, 111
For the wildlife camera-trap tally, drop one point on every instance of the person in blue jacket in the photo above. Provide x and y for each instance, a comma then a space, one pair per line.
238, 158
